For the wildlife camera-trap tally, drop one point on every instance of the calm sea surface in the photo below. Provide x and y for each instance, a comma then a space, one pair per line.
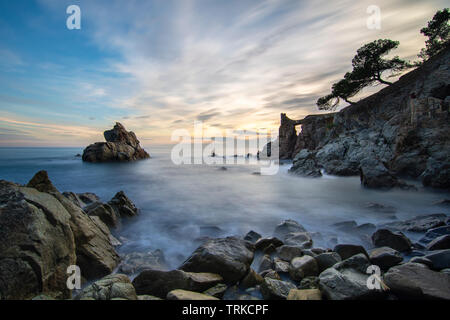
182, 203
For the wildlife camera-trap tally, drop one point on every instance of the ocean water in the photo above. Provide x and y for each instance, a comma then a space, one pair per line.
180, 204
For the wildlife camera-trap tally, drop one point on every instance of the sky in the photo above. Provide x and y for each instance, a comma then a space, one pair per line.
157, 66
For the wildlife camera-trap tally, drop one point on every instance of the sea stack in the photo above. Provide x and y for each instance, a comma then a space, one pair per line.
120, 146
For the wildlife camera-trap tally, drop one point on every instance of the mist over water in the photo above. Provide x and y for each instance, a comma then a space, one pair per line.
181, 204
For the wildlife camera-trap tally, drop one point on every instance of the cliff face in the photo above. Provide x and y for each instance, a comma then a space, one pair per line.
401, 131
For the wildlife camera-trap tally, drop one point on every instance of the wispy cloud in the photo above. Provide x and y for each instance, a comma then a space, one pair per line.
233, 64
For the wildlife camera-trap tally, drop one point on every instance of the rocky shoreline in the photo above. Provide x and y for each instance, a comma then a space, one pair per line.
43, 232
401, 132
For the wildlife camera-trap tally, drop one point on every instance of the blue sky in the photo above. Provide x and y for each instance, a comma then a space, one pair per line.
157, 66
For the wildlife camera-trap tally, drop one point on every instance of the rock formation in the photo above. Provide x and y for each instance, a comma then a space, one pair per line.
43, 232
120, 145
401, 131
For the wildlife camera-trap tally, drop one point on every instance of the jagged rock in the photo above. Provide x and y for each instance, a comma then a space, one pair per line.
305, 164
105, 212
160, 283
114, 286
263, 243
287, 137
327, 259
419, 223
188, 295
265, 263
82, 199
252, 279
280, 266
375, 175
287, 227
95, 254
394, 240
302, 267
136, 262
439, 258
121, 146
385, 257
36, 242
230, 257
301, 239
347, 280
308, 294
287, 253
309, 283
252, 236
348, 250
272, 274
413, 280
123, 205
217, 291
272, 289
440, 243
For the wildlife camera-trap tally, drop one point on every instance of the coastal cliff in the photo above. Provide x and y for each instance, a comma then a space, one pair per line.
402, 131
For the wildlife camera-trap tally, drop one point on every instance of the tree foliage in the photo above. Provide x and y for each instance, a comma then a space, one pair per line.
368, 66
438, 33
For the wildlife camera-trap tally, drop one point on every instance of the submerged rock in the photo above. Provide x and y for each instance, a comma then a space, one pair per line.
419, 224
121, 146
229, 257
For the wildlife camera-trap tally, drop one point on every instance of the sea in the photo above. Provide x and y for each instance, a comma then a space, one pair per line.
182, 204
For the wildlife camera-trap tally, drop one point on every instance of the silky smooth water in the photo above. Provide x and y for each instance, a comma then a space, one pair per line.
180, 204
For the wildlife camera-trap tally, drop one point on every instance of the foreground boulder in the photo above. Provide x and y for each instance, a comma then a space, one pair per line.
36, 243
160, 283
121, 146
229, 257
413, 280
114, 286
347, 280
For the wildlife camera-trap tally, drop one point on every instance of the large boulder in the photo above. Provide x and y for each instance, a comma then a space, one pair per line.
114, 286
229, 257
440, 243
327, 259
394, 240
95, 252
36, 242
105, 212
347, 280
302, 267
160, 283
348, 250
121, 146
413, 280
272, 289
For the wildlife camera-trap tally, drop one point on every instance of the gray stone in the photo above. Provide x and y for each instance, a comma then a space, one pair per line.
385, 257
114, 286
394, 240
286, 228
252, 236
229, 257
302, 267
265, 263
440, 243
412, 280
421, 223
440, 259
263, 243
327, 259
348, 250
287, 253
272, 289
